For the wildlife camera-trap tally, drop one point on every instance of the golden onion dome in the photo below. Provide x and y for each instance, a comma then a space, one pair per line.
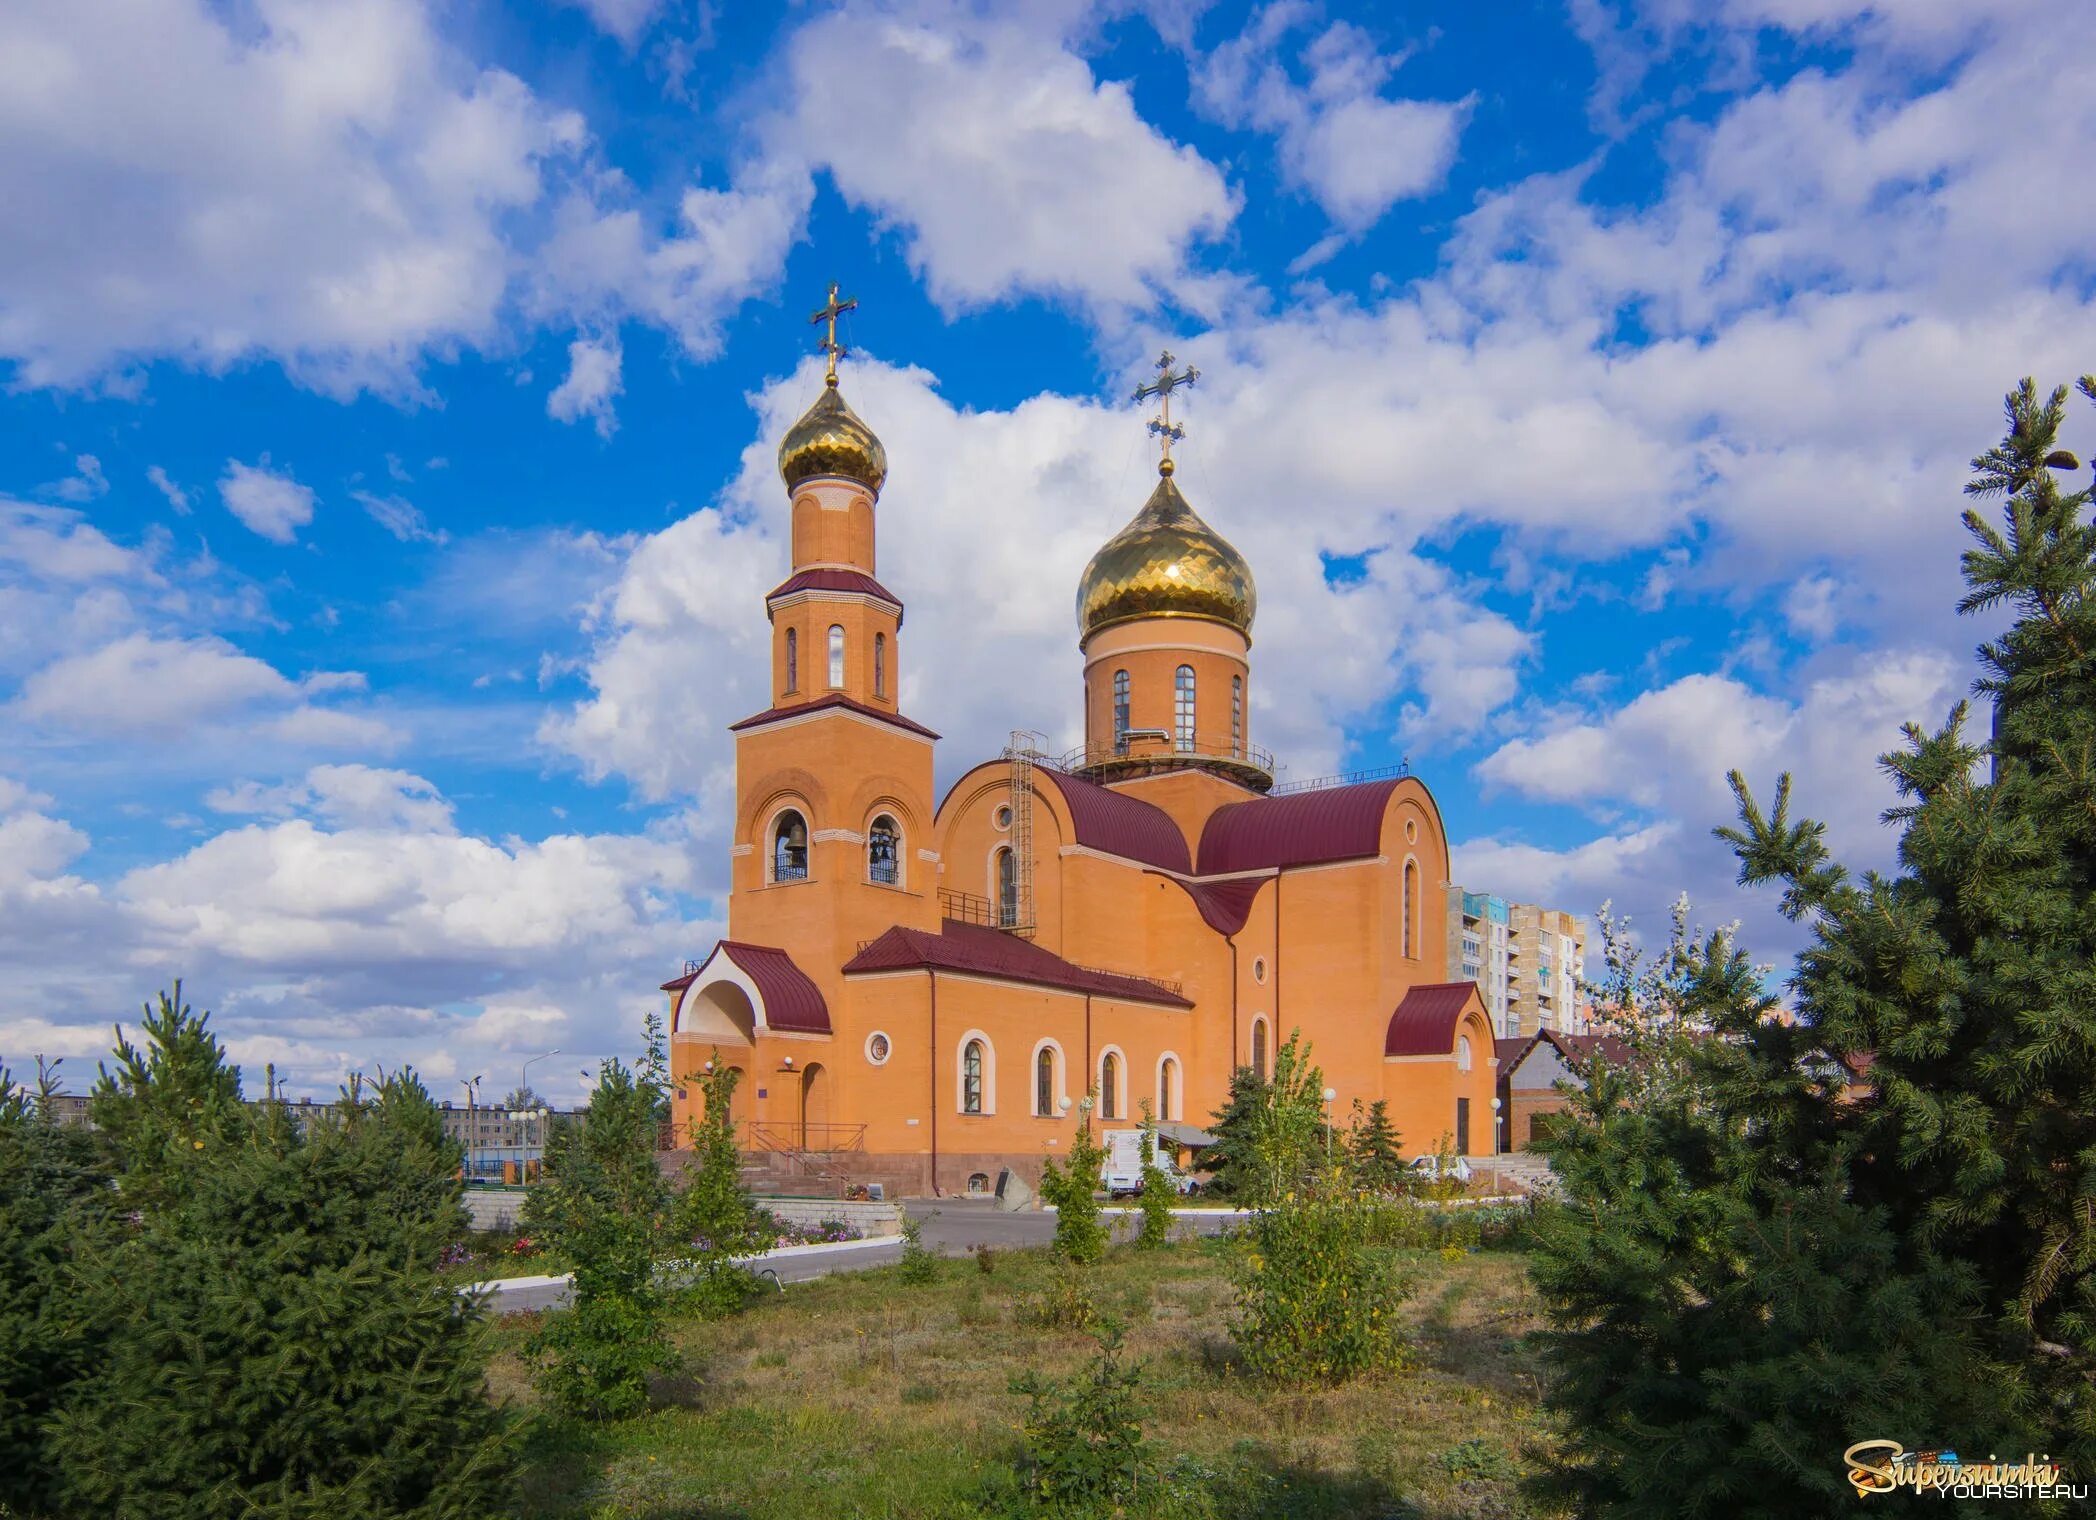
831, 440
1166, 563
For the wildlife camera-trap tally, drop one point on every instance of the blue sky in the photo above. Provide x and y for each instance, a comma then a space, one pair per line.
386, 496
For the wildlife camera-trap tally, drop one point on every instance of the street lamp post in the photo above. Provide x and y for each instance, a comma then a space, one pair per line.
1331, 1094
524, 1086
472, 1086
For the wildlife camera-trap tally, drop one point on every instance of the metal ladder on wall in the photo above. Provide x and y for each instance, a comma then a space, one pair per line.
1022, 752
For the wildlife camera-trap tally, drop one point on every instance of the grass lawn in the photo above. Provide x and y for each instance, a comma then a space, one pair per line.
859, 1395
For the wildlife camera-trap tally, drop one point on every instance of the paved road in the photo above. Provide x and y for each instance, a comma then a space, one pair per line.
950, 1226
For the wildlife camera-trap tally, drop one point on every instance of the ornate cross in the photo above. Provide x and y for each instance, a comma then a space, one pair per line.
831, 311
1161, 426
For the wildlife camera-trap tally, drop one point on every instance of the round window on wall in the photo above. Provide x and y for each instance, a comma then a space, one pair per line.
1004, 818
1259, 970
877, 1048
1412, 831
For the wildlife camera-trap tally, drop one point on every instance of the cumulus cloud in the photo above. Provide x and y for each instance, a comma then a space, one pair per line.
1340, 140
268, 501
142, 684
592, 385
1006, 164
623, 19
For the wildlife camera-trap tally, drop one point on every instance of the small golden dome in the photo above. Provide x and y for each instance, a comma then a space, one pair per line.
831, 440
1166, 563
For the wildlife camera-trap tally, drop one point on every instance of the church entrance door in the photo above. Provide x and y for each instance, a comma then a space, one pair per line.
815, 1108
1462, 1126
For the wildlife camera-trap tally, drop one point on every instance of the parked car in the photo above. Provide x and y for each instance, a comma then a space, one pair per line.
1430, 1169
1121, 1172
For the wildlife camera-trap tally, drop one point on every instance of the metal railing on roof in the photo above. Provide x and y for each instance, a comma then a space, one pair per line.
1133, 748
1346, 778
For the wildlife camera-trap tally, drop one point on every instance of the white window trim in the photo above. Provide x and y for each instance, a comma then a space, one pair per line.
1260, 1021
768, 842
1062, 1077
1165, 1107
1099, 1082
960, 1075
882, 1034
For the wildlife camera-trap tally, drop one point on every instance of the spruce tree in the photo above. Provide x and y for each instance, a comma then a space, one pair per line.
278, 1337
54, 1203
716, 1218
1270, 1134
168, 1106
1372, 1150
1230, 1157
1758, 1262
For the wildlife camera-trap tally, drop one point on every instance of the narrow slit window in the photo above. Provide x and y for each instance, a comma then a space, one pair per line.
836, 654
1183, 707
880, 664
793, 659
1120, 709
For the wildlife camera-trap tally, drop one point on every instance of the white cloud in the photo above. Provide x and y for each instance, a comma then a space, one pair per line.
1009, 168
321, 183
269, 501
349, 796
85, 483
592, 386
399, 517
176, 496
1353, 151
623, 19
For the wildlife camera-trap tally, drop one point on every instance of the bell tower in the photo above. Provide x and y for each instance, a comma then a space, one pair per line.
833, 783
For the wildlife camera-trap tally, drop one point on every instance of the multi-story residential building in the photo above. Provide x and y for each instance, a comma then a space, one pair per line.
1528, 961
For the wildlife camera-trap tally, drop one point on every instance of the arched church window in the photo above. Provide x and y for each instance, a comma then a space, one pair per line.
880, 664
972, 1078
1237, 716
1044, 1082
836, 654
1463, 1052
1168, 1089
1007, 888
1110, 1086
1410, 905
789, 847
1120, 699
1183, 706
1259, 1049
793, 659
884, 851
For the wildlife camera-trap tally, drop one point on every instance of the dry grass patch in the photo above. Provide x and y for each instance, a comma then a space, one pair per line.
858, 1395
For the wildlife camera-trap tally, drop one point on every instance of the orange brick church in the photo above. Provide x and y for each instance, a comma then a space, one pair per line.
926, 989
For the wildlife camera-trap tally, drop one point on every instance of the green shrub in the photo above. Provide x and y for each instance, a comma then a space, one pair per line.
716, 1220
604, 1206
985, 1260
1316, 1297
1084, 1439
1270, 1135
1066, 1303
1479, 1459
1158, 1195
1072, 1188
920, 1264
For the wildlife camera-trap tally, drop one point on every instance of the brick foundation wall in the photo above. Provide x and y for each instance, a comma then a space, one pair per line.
1522, 1111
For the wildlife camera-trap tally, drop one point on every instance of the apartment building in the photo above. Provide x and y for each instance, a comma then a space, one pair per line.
1529, 962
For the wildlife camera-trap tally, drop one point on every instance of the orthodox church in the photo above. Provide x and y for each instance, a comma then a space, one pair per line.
926, 989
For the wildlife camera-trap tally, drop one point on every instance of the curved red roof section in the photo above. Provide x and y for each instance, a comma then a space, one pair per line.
1115, 824
994, 953
1425, 1021
856, 581
1302, 829
1225, 905
793, 1004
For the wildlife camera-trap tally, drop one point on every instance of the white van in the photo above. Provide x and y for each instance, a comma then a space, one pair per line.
1122, 1170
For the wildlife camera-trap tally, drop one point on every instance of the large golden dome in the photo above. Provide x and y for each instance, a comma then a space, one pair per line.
1166, 563
831, 440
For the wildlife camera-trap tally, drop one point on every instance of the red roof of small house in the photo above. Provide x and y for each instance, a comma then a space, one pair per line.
994, 953
835, 580
824, 704
1301, 829
1588, 1047
1508, 1052
1424, 1023
1117, 824
793, 1004
1225, 905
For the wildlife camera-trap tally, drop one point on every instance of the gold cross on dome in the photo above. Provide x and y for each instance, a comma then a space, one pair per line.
831, 311
1161, 426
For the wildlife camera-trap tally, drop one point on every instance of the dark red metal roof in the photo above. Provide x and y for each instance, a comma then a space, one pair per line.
1579, 1048
994, 953
1507, 1052
822, 704
1301, 829
793, 1004
1108, 821
1225, 905
1425, 1021
835, 580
